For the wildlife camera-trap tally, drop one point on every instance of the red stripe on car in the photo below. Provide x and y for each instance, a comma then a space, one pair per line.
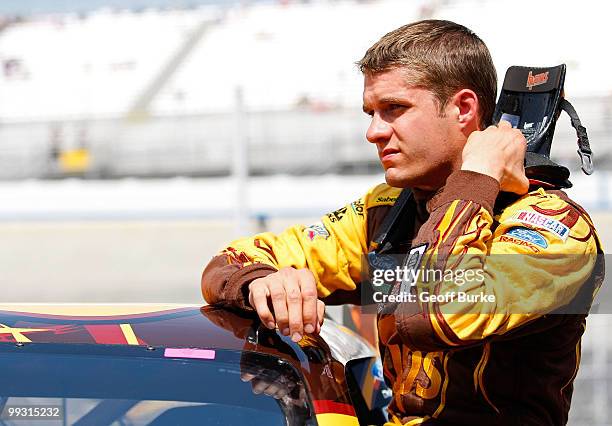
107, 334
322, 406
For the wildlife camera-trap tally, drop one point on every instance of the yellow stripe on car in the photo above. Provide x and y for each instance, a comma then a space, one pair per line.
334, 419
128, 333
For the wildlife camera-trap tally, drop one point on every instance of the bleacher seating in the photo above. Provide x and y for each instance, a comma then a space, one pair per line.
154, 92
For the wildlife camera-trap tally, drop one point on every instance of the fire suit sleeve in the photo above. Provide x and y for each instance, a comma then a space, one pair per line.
331, 248
494, 276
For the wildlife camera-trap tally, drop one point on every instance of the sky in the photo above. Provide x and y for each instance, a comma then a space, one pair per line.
29, 7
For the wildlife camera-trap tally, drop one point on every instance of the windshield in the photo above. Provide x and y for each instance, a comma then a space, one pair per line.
109, 385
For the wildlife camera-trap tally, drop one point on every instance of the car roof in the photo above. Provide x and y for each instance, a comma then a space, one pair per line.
319, 358
160, 325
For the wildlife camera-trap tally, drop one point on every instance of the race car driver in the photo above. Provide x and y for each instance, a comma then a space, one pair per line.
429, 88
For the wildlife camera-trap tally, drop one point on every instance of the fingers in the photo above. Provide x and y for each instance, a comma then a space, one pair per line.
308, 289
288, 299
294, 305
247, 377
320, 315
259, 386
275, 390
281, 392
279, 304
258, 298
272, 390
504, 124
499, 152
515, 179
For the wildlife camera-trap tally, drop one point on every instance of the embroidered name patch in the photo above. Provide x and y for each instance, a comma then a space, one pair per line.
528, 235
541, 221
316, 229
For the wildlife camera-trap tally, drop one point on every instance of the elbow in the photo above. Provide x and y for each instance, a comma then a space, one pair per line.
213, 280
204, 289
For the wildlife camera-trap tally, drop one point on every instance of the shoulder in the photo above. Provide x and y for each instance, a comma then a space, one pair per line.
381, 195
550, 213
377, 196
377, 202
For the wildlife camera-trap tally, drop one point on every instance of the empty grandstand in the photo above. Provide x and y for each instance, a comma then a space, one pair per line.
114, 92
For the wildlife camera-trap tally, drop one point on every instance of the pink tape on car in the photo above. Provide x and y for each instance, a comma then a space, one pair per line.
189, 353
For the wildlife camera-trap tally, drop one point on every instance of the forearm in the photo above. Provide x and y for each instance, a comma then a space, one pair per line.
225, 283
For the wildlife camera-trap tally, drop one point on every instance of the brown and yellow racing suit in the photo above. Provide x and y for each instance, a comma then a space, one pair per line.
511, 362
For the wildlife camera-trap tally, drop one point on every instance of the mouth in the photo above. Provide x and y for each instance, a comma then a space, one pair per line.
388, 155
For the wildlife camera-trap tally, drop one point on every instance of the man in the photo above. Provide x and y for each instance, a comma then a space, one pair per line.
430, 90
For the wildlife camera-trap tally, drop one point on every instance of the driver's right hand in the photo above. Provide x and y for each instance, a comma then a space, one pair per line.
287, 299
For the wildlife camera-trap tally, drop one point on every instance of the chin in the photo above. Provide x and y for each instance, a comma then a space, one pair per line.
398, 180
406, 180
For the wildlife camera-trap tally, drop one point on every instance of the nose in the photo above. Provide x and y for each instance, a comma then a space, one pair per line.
379, 131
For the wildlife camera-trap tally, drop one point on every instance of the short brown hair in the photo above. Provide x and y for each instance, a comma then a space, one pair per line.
445, 57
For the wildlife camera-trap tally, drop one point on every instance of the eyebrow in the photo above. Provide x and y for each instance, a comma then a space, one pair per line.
393, 100
388, 100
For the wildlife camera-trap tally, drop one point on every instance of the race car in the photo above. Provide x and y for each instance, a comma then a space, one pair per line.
180, 365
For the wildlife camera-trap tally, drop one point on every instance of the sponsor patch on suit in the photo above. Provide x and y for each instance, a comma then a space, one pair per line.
316, 229
528, 235
539, 220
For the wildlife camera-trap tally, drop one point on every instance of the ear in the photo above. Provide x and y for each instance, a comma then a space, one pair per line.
467, 109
